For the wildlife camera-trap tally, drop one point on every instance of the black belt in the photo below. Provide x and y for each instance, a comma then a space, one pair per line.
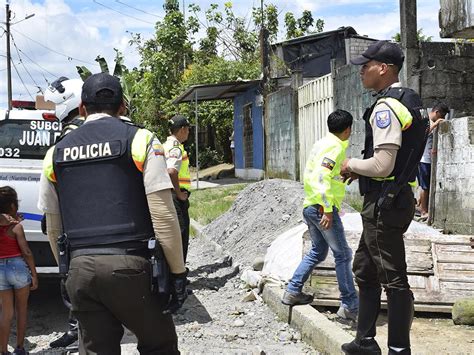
143, 252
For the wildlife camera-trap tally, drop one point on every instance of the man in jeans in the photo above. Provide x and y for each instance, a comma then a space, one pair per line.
324, 192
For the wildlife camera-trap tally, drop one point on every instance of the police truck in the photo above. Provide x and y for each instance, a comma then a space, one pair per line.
25, 136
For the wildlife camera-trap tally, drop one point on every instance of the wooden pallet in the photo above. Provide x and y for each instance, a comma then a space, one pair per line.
440, 271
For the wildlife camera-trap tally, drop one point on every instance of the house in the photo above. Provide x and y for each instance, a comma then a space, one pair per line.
248, 121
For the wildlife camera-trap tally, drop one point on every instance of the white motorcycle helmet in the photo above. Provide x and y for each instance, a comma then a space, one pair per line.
65, 94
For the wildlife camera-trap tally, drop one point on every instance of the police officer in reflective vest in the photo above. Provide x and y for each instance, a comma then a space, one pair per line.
108, 180
177, 162
394, 142
66, 95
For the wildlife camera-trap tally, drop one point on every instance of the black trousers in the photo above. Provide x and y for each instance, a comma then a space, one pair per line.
380, 256
182, 210
380, 260
108, 292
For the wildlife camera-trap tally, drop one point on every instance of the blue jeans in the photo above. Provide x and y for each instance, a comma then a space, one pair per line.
321, 241
14, 273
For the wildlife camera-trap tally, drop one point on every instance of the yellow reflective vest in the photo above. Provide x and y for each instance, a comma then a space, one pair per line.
140, 145
323, 184
184, 175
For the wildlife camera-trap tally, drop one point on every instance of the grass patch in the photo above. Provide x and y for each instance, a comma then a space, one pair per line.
208, 204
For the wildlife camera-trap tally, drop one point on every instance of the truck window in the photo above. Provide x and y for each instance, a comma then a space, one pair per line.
27, 139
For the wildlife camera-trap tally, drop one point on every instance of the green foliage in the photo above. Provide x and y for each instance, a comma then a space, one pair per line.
419, 35
302, 26
119, 70
209, 157
174, 59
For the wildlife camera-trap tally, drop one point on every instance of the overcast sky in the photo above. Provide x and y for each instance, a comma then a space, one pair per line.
66, 33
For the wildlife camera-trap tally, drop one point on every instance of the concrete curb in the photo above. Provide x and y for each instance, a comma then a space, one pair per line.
315, 328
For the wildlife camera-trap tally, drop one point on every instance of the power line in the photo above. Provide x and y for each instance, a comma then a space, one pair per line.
121, 13
39, 66
19, 76
137, 9
54, 51
23, 64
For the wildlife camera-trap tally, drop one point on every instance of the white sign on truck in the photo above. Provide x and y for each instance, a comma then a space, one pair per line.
25, 137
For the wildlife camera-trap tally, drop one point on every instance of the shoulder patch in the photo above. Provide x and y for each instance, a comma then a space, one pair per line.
383, 119
175, 153
157, 147
328, 163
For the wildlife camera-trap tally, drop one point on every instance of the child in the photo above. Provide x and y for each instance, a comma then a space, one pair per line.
17, 272
324, 191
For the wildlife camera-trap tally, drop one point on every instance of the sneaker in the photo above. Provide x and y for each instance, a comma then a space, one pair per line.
65, 340
20, 351
362, 347
345, 314
293, 299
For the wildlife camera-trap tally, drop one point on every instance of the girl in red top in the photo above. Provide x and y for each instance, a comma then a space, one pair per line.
17, 272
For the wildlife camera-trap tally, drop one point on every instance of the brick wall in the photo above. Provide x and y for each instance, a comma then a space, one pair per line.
356, 46
447, 74
454, 195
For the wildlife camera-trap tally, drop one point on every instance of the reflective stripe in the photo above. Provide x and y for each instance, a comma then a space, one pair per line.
391, 178
140, 146
404, 116
48, 169
184, 176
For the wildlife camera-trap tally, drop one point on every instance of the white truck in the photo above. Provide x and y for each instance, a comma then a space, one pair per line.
25, 136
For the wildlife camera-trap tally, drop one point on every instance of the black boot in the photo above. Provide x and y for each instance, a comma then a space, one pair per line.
400, 317
369, 307
69, 337
362, 347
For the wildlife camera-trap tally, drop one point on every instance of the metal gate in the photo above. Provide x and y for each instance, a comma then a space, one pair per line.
315, 103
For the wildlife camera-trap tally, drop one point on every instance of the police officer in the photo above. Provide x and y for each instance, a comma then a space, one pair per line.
113, 194
66, 95
394, 141
177, 162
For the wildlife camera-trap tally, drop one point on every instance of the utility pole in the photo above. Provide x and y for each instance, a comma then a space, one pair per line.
9, 68
264, 51
410, 45
184, 21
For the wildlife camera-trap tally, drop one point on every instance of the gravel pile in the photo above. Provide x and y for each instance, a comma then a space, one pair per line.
261, 212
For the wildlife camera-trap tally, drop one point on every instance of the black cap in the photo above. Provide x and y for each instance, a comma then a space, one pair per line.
106, 84
381, 51
178, 121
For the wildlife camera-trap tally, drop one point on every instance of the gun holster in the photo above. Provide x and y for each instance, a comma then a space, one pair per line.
64, 254
390, 191
160, 274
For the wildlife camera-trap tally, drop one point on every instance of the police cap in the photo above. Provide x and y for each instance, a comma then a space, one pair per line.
178, 121
381, 51
102, 88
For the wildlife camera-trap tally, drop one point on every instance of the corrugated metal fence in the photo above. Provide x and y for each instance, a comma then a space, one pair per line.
315, 103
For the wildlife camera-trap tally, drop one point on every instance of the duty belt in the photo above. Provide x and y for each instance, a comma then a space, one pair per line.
143, 251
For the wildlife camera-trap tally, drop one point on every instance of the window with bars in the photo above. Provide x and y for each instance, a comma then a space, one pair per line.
248, 136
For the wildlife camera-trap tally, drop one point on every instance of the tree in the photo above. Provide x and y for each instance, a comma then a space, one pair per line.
419, 35
174, 59
302, 26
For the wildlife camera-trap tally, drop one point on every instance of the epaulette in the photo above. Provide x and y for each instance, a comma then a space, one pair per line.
130, 123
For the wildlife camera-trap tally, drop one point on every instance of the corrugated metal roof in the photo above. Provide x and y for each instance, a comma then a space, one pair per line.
219, 91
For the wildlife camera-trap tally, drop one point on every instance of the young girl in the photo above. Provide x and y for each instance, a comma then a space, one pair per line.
17, 272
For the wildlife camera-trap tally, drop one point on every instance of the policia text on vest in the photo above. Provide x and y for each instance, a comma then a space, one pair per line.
95, 150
